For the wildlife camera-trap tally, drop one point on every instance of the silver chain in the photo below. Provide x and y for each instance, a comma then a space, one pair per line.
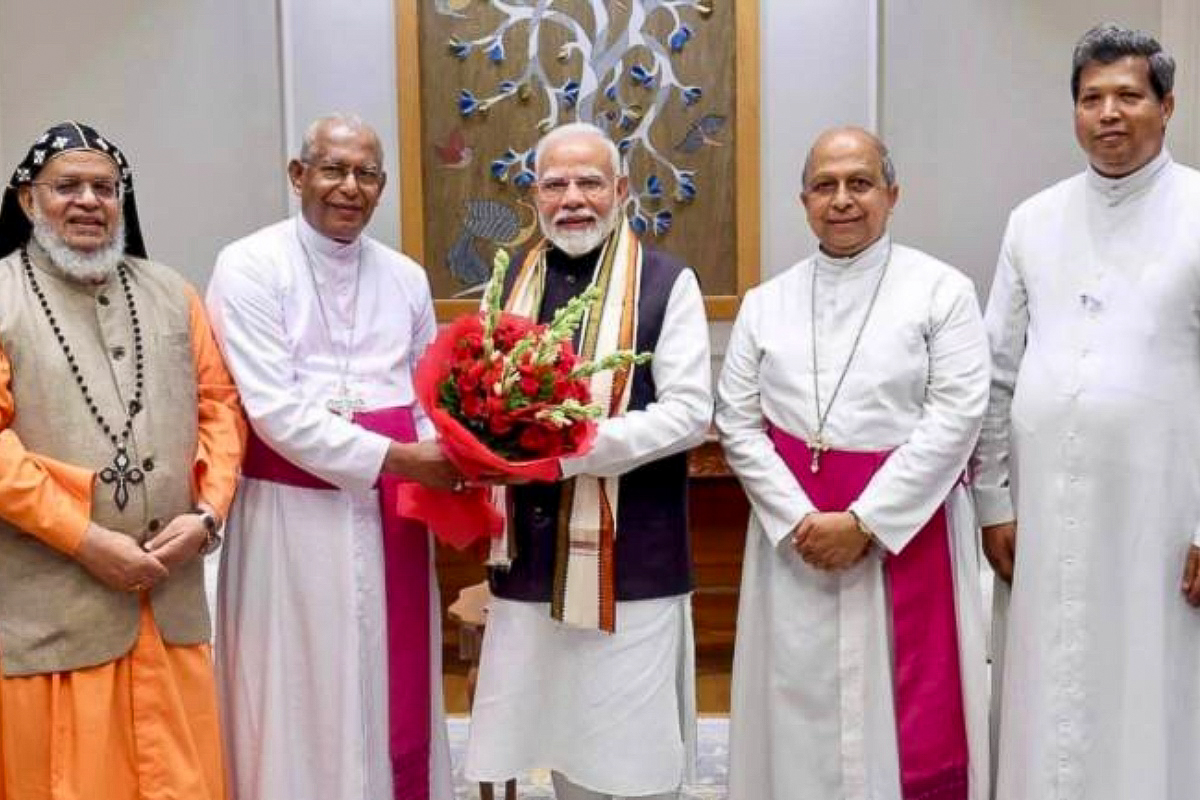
823, 416
344, 366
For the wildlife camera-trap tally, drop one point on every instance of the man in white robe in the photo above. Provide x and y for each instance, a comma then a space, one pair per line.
317, 322
897, 347
1088, 467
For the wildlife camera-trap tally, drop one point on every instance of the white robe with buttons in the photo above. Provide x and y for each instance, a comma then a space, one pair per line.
812, 712
1094, 425
301, 623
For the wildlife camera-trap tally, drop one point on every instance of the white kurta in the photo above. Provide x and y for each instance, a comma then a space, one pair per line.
812, 712
614, 713
1094, 319
301, 624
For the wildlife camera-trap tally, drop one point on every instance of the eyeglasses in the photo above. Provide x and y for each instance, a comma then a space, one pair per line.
592, 187
366, 177
74, 188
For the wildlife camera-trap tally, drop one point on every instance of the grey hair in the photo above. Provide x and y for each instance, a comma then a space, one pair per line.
573, 129
342, 119
886, 166
1107, 43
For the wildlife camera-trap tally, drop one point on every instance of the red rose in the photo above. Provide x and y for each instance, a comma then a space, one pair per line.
472, 405
509, 330
469, 347
539, 441
499, 423
530, 382
574, 436
469, 378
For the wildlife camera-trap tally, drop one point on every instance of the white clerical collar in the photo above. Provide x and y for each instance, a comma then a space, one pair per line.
329, 249
874, 257
1117, 190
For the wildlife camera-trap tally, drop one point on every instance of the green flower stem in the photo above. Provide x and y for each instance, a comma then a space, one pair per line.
491, 299
617, 360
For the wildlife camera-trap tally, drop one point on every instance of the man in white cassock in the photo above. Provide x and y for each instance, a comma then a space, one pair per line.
849, 402
587, 664
1088, 467
328, 653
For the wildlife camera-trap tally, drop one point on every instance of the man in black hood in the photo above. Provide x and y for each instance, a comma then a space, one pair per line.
120, 438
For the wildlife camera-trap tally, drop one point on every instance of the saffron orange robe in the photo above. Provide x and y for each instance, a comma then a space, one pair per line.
143, 726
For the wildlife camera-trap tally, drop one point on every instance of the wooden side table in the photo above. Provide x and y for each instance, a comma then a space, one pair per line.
470, 612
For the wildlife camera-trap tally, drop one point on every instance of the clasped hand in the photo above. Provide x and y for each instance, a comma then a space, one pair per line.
830, 540
117, 561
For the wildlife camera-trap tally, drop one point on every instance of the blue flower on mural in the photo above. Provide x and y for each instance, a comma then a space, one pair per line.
639, 224
685, 186
459, 48
570, 93
467, 104
642, 76
678, 38
495, 52
524, 179
662, 222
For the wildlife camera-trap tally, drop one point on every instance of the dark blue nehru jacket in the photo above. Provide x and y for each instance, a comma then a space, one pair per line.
653, 548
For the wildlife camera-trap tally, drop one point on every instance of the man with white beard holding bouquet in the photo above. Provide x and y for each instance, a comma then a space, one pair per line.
587, 665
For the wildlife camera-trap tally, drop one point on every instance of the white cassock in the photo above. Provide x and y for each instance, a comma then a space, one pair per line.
301, 625
615, 713
1094, 424
812, 713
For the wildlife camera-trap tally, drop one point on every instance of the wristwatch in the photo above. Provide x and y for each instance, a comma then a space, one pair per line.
212, 537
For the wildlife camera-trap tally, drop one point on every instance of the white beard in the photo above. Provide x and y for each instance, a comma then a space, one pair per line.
576, 243
94, 267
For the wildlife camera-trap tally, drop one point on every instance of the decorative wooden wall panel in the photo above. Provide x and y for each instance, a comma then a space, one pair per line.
674, 82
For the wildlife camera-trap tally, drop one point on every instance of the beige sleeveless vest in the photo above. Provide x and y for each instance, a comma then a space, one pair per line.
53, 614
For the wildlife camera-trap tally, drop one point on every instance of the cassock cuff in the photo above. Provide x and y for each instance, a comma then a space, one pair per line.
374, 450
570, 467
778, 527
993, 506
889, 541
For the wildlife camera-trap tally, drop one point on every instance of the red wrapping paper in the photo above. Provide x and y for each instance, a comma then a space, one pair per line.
460, 518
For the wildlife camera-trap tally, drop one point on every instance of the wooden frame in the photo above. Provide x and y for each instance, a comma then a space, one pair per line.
745, 140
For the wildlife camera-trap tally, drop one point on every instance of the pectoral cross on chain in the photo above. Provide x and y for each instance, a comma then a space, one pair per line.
816, 446
346, 405
121, 473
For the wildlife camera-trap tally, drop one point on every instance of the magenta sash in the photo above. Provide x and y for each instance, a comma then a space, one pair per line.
927, 686
406, 576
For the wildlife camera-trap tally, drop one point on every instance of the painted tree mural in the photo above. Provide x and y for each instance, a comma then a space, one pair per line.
655, 74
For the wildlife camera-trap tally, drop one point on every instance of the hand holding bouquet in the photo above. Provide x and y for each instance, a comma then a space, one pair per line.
508, 398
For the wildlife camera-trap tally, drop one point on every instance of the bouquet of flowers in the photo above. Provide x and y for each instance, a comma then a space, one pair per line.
508, 398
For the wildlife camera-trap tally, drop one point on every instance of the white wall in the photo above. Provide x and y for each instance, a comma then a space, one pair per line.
977, 111
815, 73
1181, 36
342, 57
189, 90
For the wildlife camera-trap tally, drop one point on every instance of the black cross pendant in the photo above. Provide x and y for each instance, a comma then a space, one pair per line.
122, 473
